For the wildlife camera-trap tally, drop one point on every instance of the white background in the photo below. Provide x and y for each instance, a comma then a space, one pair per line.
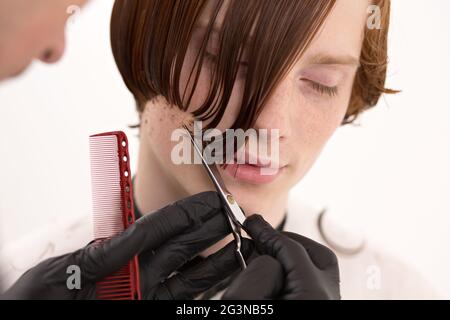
390, 176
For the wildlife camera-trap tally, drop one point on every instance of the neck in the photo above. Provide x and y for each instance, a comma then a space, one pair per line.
154, 188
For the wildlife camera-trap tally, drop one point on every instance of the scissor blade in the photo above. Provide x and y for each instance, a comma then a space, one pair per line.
235, 212
217, 184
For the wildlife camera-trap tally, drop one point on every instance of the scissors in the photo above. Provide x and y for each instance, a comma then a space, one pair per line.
234, 213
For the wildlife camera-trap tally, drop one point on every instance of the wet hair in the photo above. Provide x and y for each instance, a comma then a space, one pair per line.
150, 39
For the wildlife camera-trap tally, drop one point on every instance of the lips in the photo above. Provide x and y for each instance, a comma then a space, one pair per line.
250, 159
255, 170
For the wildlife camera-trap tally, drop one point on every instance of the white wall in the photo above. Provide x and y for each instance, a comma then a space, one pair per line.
390, 176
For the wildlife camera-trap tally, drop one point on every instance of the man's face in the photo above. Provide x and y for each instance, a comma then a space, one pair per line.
31, 29
307, 107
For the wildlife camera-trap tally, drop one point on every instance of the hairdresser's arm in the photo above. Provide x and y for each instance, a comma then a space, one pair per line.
164, 241
291, 267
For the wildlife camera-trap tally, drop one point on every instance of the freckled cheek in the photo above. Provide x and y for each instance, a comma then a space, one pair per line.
161, 122
327, 124
315, 127
331, 114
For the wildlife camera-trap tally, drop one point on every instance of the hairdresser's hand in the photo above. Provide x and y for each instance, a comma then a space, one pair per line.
165, 240
291, 267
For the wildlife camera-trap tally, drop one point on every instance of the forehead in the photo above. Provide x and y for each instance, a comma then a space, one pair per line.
341, 34
343, 31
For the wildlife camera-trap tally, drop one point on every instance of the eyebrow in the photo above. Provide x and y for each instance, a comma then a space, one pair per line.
324, 59
345, 59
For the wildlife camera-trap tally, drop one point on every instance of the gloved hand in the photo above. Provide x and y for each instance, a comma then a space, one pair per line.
292, 267
165, 240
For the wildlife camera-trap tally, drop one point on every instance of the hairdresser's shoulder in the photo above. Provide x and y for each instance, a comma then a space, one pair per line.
54, 239
367, 271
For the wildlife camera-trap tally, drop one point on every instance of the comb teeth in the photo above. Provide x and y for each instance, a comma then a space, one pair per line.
106, 186
116, 286
113, 209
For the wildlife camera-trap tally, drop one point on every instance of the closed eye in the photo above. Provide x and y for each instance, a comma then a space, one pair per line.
322, 89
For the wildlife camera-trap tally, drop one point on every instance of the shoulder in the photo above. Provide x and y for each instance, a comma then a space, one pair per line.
54, 239
367, 271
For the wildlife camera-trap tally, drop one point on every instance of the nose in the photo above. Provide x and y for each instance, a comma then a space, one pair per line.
54, 51
277, 113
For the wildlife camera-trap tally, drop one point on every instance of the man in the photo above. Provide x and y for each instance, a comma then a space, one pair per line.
32, 30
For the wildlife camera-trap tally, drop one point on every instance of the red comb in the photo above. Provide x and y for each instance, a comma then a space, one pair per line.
113, 208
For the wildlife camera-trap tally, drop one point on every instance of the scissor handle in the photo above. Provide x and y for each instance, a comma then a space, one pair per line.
237, 214
236, 231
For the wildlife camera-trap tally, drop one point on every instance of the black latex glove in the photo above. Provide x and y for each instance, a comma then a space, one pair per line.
291, 267
165, 241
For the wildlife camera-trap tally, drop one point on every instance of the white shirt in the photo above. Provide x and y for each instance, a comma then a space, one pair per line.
367, 274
